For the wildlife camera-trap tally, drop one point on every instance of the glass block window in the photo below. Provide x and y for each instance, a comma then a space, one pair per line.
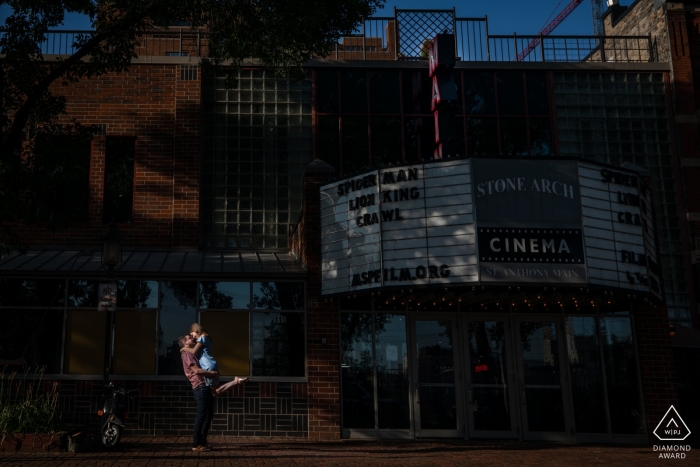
621, 117
257, 141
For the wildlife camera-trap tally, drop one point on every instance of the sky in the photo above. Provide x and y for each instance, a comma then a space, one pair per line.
504, 16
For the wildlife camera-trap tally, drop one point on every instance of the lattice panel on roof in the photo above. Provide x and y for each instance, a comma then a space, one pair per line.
417, 28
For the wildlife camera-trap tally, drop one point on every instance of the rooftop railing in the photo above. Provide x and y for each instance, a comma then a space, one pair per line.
406, 36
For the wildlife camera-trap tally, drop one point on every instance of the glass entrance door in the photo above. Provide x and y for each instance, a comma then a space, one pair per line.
437, 409
545, 409
489, 379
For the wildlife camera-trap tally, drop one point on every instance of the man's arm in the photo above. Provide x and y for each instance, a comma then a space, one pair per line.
199, 372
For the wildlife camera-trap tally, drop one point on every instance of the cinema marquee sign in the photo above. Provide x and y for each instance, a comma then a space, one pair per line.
488, 221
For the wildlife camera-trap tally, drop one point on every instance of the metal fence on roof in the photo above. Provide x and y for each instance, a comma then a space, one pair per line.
406, 36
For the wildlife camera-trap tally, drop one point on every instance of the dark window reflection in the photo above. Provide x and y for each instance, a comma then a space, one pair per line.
355, 144
386, 137
278, 295
586, 374
34, 335
621, 374
224, 295
537, 94
32, 292
119, 179
479, 93
328, 137
482, 136
511, 93
137, 294
327, 91
419, 138
357, 373
384, 92
416, 91
177, 313
354, 91
82, 293
392, 372
540, 137
513, 136
278, 344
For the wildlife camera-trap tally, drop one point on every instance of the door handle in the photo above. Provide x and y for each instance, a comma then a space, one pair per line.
415, 383
524, 403
471, 399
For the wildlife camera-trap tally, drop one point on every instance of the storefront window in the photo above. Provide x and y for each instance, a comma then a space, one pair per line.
82, 293
34, 335
278, 344
134, 340
357, 370
230, 339
586, 374
621, 374
392, 371
32, 292
177, 312
278, 295
488, 368
137, 294
224, 295
86, 331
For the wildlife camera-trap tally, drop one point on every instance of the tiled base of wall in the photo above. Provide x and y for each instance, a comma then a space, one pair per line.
164, 408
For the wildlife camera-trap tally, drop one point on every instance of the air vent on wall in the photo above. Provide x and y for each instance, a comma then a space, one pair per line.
188, 72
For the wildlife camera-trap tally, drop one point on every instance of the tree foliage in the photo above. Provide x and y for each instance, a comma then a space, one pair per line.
281, 33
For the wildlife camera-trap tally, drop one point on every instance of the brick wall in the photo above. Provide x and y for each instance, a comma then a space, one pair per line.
656, 363
640, 19
323, 339
153, 104
168, 408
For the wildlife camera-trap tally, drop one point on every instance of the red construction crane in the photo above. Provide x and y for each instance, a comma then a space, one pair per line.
549, 28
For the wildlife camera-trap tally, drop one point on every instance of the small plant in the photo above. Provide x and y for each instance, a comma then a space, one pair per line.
24, 407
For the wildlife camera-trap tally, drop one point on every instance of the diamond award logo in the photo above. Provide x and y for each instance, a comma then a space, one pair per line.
672, 427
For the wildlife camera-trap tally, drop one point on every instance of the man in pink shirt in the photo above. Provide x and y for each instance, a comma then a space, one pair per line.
202, 394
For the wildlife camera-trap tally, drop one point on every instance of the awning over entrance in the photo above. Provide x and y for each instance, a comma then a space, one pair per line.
153, 263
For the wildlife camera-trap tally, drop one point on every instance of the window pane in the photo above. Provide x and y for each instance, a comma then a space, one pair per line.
60, 191
23, 292
278, 295
482, 136
392, 372
586, 374
354, 91
537, 95
416, 92
327, 91
34, 335
177, 313
355, 144
85, 342
540, 137
278, 344
82, 293
224, 295
329, 141
621, 373
419, 138
511, 94
137, 294
119, 179
513, 136
386, 133
384, 92
479, 93
134, 342
357, 372
230, 341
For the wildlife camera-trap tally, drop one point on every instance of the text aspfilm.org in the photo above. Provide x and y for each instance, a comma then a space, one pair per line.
672, 428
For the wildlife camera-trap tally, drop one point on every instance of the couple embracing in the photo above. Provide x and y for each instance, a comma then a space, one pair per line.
203, 373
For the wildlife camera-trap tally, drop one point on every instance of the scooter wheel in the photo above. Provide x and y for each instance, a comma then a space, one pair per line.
111, 434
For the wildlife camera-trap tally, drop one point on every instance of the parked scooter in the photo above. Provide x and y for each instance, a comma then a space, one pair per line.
114, 414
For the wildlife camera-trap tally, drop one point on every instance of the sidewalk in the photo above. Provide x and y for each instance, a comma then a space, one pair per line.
173, 451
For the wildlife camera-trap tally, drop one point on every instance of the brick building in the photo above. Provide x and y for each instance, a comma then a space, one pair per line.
217, 193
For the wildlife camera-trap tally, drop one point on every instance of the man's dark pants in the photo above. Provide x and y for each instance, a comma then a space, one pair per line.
205, 413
